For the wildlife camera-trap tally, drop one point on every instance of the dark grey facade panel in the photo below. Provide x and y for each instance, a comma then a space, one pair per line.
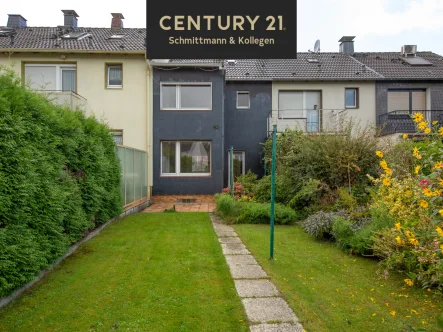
189, 125
246, 129
382, 87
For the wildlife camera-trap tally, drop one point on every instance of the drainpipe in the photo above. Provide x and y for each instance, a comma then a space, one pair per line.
149, 124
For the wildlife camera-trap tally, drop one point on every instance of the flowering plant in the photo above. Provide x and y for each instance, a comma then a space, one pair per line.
415, 202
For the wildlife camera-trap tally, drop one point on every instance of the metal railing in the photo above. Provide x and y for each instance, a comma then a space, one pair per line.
294, 120
401, 122
134, 168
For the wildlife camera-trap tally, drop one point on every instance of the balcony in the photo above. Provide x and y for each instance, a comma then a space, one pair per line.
302, 120
306, 120
400, 122
66, 98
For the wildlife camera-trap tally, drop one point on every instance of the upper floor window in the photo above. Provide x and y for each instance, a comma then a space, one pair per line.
407, 100
114, 76
243, 100
117, 136
351, 97
186, 96
51, 77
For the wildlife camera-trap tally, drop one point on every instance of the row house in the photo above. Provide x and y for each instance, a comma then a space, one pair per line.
180, 117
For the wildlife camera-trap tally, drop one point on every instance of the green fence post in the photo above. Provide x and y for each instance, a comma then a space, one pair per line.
231, 170
274, 152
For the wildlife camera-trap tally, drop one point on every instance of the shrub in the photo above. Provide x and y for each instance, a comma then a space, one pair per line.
248, 181
320, 224
340, 160
260, 213
59, 177
283, 189
413, 200
236, 211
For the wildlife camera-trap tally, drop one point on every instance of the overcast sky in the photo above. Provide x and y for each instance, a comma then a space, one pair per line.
379, 25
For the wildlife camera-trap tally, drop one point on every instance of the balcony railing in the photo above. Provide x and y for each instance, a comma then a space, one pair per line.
295, 119
401, 122
67, 98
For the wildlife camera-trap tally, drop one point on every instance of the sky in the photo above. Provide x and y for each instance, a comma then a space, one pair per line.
379, 25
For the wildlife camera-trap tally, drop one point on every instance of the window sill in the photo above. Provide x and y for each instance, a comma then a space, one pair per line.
244, 108
114, 87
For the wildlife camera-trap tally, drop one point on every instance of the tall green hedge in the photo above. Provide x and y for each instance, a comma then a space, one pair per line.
59, 178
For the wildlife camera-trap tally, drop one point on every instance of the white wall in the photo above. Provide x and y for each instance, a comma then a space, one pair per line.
333, 98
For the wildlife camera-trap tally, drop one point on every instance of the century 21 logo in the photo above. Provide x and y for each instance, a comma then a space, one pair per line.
235, 22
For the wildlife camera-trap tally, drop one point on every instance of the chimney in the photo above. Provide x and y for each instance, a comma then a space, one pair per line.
70, 18
347, 44
117, 21
16, 21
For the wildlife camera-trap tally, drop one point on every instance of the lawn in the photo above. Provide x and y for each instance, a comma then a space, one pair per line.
148, 272
332, 291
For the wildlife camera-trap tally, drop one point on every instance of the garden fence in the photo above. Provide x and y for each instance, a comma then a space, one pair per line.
134, 174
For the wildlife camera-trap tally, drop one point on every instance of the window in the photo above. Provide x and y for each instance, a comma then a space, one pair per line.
301, 105
406, 100
185, 158
114, 76
117, 136
186, 96
351, 98
238, 163
51, 77
243, 100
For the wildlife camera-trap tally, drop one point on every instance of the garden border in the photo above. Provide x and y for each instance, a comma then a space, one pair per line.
4, 301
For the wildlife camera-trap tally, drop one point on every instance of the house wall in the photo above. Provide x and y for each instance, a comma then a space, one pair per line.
189, 125
434, 94
245, 129
333, 98
124, 108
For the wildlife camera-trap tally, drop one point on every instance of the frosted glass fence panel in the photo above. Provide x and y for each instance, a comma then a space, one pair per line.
133, 174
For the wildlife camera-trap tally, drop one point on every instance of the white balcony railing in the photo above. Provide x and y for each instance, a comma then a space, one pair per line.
66, 98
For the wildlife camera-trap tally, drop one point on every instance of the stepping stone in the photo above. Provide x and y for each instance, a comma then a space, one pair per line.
276, 328
234, 249
223, 228
255, 288
247, 272
226, 233
240, 260
229, 239
271, 309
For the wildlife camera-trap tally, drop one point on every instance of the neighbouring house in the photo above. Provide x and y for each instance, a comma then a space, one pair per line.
103, 71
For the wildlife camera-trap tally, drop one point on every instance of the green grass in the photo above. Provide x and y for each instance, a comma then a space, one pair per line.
148, 272
332, 291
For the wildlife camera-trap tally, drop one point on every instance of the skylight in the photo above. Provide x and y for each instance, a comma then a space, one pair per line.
312, 60
76, 35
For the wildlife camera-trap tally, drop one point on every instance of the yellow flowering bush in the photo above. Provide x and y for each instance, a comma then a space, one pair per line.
415, 202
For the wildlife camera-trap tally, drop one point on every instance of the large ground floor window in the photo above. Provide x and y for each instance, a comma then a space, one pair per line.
185, 158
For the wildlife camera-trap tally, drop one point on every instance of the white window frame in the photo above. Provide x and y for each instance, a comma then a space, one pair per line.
58, 72
355, 98
177, 96
249, 100
304, 110
244, 162
108, 68
117, 132
177, 160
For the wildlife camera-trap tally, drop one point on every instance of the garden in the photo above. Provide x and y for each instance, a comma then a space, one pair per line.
374, 200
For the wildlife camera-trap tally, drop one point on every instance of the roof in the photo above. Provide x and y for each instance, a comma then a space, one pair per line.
307, 67
43, 38
391, 65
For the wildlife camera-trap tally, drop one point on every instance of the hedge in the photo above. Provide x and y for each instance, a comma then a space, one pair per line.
59, 178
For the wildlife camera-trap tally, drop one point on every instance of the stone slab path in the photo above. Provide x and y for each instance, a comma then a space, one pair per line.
267, 311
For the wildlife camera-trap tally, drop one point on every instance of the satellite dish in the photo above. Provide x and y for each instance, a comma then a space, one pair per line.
317, 46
